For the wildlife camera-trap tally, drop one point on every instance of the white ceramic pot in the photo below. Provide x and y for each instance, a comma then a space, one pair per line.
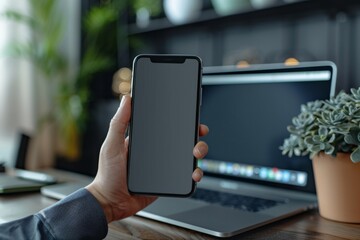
258, 4
142, 17
292, 1
227, 7
182, 11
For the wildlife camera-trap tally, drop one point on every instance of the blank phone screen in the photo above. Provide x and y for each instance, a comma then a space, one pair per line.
164, 125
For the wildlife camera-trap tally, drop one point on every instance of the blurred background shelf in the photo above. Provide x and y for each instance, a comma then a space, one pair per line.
277, 9
209, 16
308, 30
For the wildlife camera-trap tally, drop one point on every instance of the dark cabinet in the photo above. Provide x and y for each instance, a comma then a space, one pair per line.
310, 30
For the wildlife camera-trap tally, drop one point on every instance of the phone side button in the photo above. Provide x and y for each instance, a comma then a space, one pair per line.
200, 96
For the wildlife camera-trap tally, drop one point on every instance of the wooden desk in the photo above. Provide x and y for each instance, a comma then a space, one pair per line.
304, 226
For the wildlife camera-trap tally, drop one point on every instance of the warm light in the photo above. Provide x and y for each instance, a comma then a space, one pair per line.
125, 74
291, 62
242, 64
121, 81
124, 88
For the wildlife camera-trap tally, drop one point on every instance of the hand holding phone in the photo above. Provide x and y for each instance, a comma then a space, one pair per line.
164, 124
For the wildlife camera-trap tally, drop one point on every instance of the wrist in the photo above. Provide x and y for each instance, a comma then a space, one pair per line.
93, 189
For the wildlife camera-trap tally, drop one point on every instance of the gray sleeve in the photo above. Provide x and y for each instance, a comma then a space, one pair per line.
78, 216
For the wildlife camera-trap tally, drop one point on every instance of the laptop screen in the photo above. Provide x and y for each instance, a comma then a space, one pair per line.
248, 112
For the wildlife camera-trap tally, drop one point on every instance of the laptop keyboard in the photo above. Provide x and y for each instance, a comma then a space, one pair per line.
245, 203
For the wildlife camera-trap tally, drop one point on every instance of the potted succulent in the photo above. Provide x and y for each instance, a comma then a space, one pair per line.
329, 132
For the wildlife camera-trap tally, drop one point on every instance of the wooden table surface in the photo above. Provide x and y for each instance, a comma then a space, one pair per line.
309, 225
304, 226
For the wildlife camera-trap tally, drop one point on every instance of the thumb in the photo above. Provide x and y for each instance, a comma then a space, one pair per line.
120, 122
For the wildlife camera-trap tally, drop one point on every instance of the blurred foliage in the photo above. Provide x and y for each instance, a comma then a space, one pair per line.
43, 48
153, 6
69, 96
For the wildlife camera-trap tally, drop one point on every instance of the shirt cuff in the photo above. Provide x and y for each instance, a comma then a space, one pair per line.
78, 216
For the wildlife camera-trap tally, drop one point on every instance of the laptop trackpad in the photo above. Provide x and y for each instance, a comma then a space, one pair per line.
168, 206
212, 217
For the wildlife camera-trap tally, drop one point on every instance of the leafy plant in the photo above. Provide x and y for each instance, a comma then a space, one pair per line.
68, 96
330, 125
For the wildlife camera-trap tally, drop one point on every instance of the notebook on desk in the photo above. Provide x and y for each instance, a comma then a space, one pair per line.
248, 182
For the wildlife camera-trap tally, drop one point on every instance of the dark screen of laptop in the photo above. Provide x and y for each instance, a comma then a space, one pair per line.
248, 123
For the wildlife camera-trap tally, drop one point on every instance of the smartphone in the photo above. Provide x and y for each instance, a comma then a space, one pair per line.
164, 124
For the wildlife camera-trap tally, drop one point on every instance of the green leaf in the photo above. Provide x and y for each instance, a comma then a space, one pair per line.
97, 18
323, 131
352, 138
355, 155
329, 150
332, 138
19, 17
315, 148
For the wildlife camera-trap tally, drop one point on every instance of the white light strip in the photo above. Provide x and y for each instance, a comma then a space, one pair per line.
266, 77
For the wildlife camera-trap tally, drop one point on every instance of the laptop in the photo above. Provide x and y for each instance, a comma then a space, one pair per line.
248, 182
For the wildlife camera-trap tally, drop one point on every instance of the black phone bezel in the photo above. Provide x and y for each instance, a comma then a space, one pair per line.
165, 58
